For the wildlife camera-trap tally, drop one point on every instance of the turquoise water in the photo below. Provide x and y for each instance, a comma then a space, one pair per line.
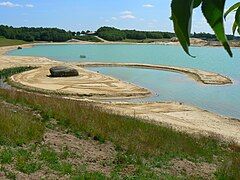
166, 86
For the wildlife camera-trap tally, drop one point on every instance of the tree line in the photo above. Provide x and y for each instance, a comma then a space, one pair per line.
35, 34
208, 36
107, 33
114, 34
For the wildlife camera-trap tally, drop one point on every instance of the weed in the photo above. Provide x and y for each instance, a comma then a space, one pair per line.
6, 156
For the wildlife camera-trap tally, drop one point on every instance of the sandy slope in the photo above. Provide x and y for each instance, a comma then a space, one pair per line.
182, 117
179, 116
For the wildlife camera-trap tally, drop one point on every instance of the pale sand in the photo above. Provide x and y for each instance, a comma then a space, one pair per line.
87, 84
178, 116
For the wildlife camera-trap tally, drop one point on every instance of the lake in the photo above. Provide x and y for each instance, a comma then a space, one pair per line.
166, 86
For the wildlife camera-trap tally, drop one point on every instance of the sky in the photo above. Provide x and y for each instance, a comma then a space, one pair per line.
77, 15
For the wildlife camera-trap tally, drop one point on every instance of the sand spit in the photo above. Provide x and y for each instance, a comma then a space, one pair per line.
176, 115
87, 84
198, 75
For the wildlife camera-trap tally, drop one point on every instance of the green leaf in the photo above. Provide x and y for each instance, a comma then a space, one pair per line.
197, 3
213, 11
232, 8
234, 27
237, 17
182, 21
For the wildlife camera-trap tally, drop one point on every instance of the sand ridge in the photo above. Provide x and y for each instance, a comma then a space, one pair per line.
204, 77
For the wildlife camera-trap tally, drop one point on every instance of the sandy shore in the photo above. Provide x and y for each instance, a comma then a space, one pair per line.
176, 115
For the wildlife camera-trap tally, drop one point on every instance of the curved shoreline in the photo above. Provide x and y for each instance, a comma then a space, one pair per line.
178, 116
204, 77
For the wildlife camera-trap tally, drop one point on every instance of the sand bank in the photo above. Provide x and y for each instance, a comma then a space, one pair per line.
176, 115
198, 75
88, 84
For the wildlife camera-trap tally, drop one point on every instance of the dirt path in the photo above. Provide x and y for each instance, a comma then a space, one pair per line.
101, 39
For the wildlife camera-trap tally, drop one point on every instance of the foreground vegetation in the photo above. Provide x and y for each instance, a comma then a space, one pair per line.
143, 150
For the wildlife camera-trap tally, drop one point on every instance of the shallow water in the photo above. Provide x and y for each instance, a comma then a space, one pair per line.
167, 86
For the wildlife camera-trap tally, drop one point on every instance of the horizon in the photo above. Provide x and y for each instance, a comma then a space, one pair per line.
146, 15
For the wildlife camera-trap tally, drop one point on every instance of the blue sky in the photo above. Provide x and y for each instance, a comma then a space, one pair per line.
91, 14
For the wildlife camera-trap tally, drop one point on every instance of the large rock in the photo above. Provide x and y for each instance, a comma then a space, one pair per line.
62, 71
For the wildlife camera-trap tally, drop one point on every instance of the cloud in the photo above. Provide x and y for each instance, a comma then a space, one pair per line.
29, 5
114, 18
127, 15
126, 12
148, 6
9, 4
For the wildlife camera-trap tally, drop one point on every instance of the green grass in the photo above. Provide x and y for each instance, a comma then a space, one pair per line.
10, 42
156, 143
142, 144
19, 127
6, 156
11, 71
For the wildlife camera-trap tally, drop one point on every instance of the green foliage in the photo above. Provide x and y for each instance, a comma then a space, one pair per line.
113, 34
35, 34
49, 156
88, 38
11, 71
10, 42
230, 169
213, 11
27, 167
6, 156
19, 128
236, 24
182, 17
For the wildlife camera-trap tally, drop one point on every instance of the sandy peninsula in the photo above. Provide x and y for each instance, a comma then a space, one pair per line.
172, 114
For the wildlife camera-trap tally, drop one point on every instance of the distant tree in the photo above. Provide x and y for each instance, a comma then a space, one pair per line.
114, 34
35, 34
78, 33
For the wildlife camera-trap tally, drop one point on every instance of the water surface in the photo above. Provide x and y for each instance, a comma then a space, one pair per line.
167, 86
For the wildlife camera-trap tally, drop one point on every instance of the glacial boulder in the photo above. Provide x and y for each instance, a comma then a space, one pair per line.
62, 71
